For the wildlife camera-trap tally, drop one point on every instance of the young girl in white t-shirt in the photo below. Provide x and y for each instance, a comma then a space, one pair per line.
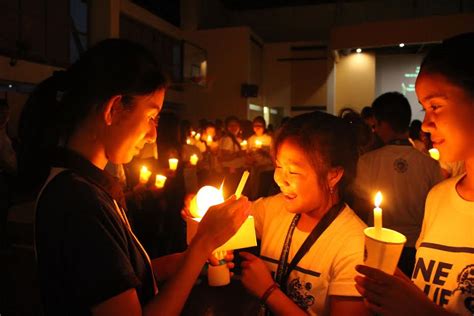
316, 158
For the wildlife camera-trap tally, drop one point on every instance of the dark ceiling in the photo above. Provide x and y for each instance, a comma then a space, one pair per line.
266, 4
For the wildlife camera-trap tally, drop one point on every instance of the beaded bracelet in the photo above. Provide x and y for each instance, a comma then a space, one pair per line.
266, 294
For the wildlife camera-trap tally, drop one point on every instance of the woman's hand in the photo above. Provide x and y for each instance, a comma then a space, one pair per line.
227, 256
255, 275
396, 294
222, 221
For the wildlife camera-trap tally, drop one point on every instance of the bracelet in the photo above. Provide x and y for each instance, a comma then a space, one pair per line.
268, 292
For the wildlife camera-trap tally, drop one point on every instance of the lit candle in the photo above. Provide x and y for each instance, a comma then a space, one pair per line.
209, 140
197, 136
173, 163
188, 141
160, 181
243, 145
258, 143
434, 153
193, 159
206, 197
378, 214
144, 175
242, 182
193, 133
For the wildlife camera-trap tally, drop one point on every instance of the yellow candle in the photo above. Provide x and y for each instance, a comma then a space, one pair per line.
173, 163
160, 181
434, 153
241, 185
197, 136
193, 133
144, 175
378, 214
209, 140
188, 141
258, 143
193, 159
243, 145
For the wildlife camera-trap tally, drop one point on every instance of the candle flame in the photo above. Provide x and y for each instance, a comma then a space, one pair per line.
209, 138
205, 198
378, 199
222, 185
434, 153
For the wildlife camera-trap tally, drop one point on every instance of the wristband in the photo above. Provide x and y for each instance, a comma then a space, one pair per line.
268, 292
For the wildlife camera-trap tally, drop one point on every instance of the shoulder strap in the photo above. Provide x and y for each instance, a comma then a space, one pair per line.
323, 224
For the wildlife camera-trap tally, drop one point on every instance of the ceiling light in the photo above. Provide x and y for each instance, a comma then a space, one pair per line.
401, 44
359, 50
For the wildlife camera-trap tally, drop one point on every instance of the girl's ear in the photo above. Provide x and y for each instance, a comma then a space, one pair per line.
112, 108
334, 176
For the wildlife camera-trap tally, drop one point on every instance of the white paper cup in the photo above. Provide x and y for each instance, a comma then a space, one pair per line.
218, 275
383, 251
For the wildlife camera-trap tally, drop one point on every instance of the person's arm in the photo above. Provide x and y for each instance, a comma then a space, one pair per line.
348, 305
257, 280
218, 225
167, 266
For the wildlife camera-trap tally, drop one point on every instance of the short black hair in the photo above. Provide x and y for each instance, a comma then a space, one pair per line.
393, 108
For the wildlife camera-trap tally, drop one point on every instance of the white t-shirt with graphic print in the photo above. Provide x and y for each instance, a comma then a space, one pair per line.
444, 267
329, 266
404, 176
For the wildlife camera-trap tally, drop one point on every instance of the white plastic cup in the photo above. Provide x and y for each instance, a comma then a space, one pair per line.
383, 251
218, 275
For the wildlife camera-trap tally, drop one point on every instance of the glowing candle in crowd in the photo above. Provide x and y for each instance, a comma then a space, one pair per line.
209, 140
193, 133
188, 141
197, 136
243, 145
378, 214
241, 185
144, 175
258, 143
160, 181
193, 159
434, 153
173, 163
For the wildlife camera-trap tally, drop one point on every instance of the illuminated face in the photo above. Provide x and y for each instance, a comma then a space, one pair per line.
211, 131
258, 128
449, 113
233, 127
133, 127
297, 180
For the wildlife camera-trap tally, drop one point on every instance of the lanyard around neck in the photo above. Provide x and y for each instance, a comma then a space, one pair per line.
284, 269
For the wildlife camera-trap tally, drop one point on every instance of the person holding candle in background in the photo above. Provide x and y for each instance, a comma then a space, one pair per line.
259, 157
442, 279
316, 158
105, 107
401, 172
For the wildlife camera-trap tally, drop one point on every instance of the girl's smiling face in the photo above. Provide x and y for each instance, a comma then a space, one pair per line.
298, 180
449, 116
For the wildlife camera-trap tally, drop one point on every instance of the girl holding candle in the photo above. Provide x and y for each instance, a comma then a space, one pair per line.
316, 158
442, 279
105, 108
